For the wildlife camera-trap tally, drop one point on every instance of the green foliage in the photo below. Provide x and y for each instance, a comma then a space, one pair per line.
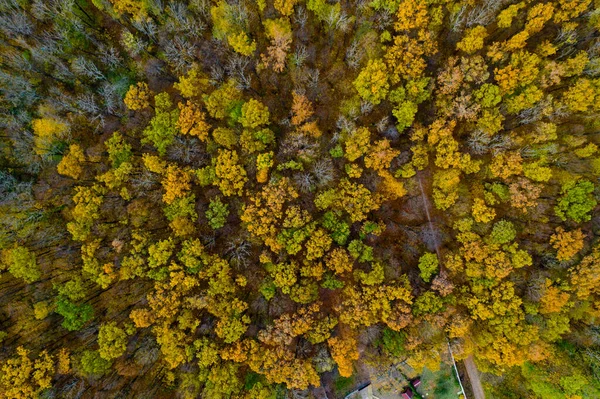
323, 10
162, 128
73, 290
268, 289
330, 282
339, 230
360, 251
393, 342
428, 265
112, 341
405, 114
206, 175
181, 207
21, 263
75, 316
427, 303
217, 213
374, 277
576, 201
337, 151
503, 232
93, 365
500, 190
119, 151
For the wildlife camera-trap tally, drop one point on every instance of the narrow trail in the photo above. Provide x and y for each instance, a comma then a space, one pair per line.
472, 371
436, 242
473, 374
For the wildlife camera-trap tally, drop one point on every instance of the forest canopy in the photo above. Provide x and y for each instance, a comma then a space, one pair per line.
268, 199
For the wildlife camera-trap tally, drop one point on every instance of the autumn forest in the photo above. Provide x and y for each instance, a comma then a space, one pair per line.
281, 199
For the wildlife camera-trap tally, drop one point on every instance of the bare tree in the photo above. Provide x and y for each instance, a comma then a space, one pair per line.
485, 13
83, 66
301, 17
16, 23
236, 68
110, 57
323, 171
304, 181
299, 56
354, 54
180, 53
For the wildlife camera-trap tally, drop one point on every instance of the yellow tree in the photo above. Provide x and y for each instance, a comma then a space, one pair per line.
254, 114
357, 144
567, 243
21, 377
176, 183
585, 277
138, 96
70, 164
192, 121
193, 84
344, 350
481, 212
372, 82
472, 40
265, 211
380, 156
554, 299
302, 109
46, 132
231, 176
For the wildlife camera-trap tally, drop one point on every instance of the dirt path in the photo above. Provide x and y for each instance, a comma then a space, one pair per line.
431, 228
473, 374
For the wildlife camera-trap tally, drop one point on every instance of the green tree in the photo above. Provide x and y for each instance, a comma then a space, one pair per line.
21, 263
576, 201
163, 127
119, 151
503, 232
112, 341
254, 114
427, 303
428, 265
93, 365
405, 114
217, 213
75, 316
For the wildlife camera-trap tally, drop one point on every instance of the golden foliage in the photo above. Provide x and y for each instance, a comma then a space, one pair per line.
344, 350
231, 176
138, 96
192, 121
567, 243
70, 164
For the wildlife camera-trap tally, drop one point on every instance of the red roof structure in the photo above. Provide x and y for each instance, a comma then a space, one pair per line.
407, 394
